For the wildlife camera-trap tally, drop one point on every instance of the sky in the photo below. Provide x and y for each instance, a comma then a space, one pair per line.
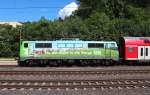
33, 10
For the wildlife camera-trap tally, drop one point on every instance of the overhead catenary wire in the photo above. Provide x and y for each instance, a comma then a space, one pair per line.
17, 8
38, 7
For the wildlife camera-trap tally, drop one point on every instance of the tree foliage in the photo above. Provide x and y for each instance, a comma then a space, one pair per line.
94, 20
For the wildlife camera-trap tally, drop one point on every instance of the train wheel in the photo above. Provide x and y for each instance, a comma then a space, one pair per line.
40, 63
70, 63
82, 63
53, 63
21, 63
28, 63
101, 62
107, 62
111, 62
94, 63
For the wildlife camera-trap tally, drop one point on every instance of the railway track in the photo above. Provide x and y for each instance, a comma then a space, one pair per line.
74, 84
102, 72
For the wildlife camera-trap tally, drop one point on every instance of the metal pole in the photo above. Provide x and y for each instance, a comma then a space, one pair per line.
20, 36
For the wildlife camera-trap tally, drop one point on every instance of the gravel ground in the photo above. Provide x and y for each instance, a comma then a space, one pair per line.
73, 77
115, 91
74, 68
124, 91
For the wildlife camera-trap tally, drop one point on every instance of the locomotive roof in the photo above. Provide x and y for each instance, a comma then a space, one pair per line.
136, 38
67, 41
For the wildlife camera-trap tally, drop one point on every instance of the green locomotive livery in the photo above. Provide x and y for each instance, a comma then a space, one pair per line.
74, 49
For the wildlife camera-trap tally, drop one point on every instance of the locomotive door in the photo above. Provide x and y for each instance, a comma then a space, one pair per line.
147, 52
141, 52
30, 49
144, 52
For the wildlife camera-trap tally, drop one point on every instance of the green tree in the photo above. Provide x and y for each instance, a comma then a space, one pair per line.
98, 25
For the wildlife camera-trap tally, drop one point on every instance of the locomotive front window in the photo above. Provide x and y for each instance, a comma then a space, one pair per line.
130, 49
95, 45
25, 45
110, 45
43, 45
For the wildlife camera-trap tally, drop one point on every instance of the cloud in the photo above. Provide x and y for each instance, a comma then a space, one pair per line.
68, 10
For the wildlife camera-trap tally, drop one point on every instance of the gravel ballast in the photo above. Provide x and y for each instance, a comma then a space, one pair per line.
115, 91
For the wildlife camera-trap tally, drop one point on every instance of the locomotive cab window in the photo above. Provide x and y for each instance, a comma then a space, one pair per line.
95, 45
110, 45
25, 45
130, 49
43, 45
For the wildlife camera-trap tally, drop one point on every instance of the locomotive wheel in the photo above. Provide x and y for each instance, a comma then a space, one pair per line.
28, 63
107, 63
41, 63
82, 63
111, 62
21, 63
53, 63
70, 62
94, 63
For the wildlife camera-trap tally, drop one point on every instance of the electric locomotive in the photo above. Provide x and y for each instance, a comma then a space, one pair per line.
54, 52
